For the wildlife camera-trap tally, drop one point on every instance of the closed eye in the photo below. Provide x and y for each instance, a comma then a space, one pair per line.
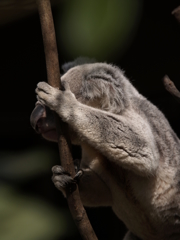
100, 77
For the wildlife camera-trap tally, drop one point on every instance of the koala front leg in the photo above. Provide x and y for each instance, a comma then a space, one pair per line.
125, 140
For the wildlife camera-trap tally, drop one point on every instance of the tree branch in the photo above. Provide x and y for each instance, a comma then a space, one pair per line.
53, 74
171, 88
169, 85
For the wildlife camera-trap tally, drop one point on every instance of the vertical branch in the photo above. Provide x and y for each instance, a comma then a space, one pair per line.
53, 74
49, 39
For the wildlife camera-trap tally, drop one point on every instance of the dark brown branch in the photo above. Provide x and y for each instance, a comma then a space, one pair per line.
50, 46
171, 88
169, 85
176, 13
53, 74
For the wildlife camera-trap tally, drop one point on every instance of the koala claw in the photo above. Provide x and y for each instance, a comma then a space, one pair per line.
63, 181
78, 175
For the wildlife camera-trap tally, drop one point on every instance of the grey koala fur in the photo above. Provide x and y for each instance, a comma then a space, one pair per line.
130, 154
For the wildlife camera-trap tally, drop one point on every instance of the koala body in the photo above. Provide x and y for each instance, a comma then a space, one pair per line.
130, 154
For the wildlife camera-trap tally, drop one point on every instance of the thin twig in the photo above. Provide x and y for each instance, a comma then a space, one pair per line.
171, 88
53, 74
176, 13
169, 85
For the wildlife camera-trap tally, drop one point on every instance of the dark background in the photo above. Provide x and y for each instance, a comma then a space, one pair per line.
24, 171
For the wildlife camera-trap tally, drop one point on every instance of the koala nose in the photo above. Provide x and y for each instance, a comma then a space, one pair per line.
37, 113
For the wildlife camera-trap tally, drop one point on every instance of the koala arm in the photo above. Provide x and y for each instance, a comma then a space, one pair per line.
126, 140
131, 146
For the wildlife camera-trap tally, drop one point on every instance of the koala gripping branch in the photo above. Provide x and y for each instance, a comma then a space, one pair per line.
53, 75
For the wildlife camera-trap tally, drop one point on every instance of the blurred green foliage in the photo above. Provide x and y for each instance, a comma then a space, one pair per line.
26, 217
25, 164
97, 28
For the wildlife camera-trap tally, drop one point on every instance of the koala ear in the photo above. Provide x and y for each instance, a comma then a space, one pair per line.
78, 61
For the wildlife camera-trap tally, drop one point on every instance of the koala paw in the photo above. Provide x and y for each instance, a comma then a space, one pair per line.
63, 181
60, 101
46, 94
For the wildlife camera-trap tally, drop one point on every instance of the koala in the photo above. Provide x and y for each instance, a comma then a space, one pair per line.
130, 154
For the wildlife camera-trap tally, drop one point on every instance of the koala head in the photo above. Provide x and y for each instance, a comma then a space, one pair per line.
98, 85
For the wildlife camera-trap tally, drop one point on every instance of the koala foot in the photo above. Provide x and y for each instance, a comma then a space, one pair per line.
63, 181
